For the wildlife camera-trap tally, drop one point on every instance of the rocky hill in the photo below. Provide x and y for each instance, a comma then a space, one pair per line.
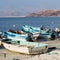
12, 12
45, 13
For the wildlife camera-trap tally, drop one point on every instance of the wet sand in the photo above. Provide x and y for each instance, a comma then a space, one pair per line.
52, 54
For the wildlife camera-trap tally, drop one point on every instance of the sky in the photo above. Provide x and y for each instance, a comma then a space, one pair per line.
30, 5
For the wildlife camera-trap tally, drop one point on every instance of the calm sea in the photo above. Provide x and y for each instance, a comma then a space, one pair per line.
16, 23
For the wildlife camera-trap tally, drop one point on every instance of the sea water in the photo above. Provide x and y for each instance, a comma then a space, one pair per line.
17, 23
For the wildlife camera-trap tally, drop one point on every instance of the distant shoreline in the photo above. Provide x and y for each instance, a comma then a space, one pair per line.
24, 16
11, 16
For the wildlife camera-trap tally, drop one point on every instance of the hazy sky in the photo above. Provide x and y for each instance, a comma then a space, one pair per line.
31, 5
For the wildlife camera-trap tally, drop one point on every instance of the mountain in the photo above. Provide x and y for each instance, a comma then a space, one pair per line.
11, 12
45, 13
23, 13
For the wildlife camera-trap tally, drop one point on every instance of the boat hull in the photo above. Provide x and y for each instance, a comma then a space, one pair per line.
25, 49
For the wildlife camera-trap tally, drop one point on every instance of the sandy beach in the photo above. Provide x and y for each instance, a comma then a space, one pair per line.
8, 55
52, 54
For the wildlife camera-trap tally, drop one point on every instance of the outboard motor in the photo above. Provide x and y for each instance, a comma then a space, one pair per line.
42, 27
53, 36
30, 37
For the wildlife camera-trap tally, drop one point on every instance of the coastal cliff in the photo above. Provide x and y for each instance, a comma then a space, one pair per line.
45, 13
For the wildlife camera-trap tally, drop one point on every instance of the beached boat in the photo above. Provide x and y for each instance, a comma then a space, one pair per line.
27, 37
17, 37
14, 36
46, 36
32, 29
45, 33
35, 34
26, 47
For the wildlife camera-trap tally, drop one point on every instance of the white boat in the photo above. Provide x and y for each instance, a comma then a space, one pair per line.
27, 47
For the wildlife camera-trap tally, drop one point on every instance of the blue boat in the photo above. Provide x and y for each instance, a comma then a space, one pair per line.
32, 29
45, 33
14, 36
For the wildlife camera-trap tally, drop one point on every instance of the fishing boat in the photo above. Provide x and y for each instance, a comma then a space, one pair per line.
25, 47
46, 36
44, 33
19, 36
32, 29
14, 35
